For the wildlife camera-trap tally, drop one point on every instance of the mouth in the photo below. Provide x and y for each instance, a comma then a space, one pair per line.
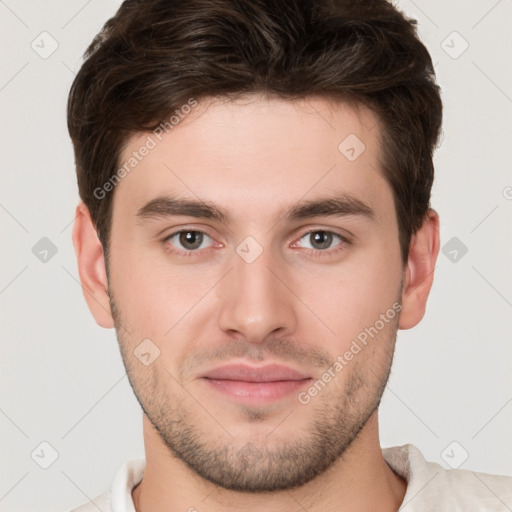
255, 384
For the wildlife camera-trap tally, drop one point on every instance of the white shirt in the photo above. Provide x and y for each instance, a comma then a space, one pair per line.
430, 487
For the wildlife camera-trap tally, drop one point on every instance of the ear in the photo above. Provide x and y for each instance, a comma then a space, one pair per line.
419, 273
91, 267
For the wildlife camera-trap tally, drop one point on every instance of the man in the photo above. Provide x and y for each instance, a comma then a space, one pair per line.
256, 225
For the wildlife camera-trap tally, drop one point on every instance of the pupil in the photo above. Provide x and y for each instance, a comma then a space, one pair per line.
322, 239
191, 239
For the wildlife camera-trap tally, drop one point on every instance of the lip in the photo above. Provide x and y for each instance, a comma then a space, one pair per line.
255, 384
246, 373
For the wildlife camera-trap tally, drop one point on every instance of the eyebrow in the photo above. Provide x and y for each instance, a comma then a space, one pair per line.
339, 206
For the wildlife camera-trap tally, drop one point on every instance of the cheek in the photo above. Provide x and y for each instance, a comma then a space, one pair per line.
154, 295
351, 297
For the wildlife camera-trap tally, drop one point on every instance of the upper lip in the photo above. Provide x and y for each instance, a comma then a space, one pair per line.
243, 372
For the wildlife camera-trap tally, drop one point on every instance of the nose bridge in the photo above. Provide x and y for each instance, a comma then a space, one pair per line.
254, 302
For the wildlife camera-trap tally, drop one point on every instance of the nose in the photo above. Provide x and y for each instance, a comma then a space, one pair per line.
255, 299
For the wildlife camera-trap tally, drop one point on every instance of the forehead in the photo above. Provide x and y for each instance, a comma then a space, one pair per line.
256, 154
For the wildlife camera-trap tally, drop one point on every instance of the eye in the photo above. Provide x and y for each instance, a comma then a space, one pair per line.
321, 240
188, 240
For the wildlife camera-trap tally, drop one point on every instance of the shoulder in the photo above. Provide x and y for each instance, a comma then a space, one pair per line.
119, 496
430, 486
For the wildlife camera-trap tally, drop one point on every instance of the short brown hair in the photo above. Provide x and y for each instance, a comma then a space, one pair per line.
154, 55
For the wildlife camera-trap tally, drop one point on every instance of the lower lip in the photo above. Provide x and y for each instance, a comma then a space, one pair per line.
257, 392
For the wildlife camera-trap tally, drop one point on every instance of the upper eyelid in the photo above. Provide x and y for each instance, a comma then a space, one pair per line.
322, 231
174, 233
196, 230
343, 238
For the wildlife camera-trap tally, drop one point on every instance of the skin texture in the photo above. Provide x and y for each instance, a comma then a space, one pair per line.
297, 304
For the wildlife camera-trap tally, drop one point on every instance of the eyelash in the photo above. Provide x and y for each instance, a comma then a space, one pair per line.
344, 242
183, 252
316, 253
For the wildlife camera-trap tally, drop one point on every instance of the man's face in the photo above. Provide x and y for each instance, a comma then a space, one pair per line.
263, 285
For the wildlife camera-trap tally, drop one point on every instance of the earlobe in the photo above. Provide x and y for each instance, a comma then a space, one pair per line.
91, 267
419, 272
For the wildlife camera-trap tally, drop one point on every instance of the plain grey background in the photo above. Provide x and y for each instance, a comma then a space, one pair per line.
62, 380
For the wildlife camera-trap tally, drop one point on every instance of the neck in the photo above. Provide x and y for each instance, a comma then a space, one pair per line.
359, 480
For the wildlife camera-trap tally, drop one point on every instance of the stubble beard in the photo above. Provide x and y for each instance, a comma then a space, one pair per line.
187, 429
